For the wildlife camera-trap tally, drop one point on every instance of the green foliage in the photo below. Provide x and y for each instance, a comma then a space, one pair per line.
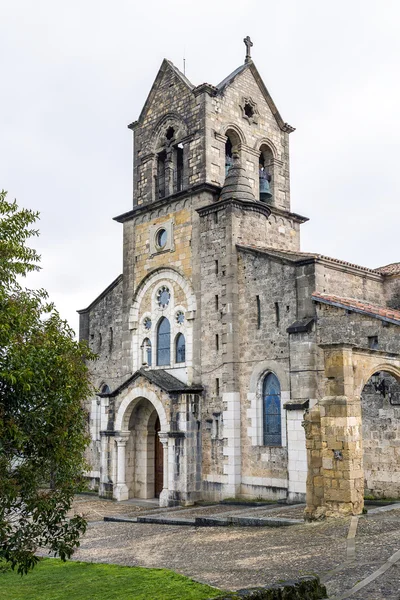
43, 425
53, 580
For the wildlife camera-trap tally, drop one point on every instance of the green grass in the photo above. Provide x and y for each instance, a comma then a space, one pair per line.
52, 579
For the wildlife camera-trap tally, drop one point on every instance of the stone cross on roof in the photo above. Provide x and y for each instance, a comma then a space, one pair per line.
249, 44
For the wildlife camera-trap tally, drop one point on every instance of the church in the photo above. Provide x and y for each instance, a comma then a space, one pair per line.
230, 364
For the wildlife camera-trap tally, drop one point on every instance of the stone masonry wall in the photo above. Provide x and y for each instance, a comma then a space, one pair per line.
336, 325
343, 281
381, 440
172, 97
224, 111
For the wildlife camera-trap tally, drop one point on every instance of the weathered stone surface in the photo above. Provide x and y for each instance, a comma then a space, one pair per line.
248, 303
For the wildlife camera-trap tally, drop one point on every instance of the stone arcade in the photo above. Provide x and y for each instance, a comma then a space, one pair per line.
230, 363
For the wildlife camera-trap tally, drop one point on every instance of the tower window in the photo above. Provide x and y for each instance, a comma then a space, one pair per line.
248, 110
258, 312
161, 162
170, 133
228, 156
179, 168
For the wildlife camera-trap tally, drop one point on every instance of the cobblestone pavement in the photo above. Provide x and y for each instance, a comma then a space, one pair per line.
235, 557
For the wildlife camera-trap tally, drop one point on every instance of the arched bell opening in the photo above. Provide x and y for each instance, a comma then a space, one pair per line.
380, 409
266, 164
144, 452
232, 146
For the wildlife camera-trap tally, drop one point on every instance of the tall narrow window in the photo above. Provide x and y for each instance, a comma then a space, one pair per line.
258, 312
111, 340
162, 157
272, 411
216, 302
180, 348
163, 342
277, 317
216, 267
228, 156
217, 342
217, 386
179, 168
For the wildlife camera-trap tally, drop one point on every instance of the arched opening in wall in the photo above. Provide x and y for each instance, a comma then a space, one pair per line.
178, 168
180, 348
266, 163
231, 147
144, 452
161, 174
163, 342
380, 409
272, 430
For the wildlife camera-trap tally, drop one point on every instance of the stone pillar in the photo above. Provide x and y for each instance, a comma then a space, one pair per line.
335, 483
342, 455
121, 491
164, 494
105, 482
315, 508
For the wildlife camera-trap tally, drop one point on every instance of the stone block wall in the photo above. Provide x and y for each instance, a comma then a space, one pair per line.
171, 103
381, 440
336, 325
223, 112
349, 282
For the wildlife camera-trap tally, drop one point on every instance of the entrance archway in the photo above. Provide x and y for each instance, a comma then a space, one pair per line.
380, 411
144, 452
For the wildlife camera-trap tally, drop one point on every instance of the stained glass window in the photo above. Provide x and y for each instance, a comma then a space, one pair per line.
163, 342
272, 411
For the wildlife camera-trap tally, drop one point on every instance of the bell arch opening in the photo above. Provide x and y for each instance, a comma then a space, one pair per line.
266, 179
380, 412
232, 146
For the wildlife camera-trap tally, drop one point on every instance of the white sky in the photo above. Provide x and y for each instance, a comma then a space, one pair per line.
74, 74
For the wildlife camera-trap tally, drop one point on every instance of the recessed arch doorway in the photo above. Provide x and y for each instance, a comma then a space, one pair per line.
144, 452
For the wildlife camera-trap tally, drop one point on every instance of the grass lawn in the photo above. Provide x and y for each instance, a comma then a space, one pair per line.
52, 579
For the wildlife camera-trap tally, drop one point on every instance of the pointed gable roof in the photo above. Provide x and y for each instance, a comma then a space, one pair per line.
267, 96
165, 66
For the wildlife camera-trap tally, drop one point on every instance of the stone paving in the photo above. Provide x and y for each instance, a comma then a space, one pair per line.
237, 557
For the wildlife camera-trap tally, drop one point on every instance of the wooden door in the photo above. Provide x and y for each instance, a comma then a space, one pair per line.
158, 462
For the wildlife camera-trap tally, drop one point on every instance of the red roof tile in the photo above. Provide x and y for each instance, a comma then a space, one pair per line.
374, 310
392, 269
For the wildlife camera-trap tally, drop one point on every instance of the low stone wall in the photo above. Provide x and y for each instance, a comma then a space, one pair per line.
304, 588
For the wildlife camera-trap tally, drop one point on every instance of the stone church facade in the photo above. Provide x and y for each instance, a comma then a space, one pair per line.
231, 363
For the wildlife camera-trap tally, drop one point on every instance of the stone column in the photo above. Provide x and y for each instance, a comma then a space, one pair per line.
164, 494
121, 491
335, 483
104, 487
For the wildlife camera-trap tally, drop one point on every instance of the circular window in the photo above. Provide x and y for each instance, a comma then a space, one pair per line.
161, 238
163, 296
147, 323
180, 317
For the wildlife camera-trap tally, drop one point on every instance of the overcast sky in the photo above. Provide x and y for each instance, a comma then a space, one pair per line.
74, 74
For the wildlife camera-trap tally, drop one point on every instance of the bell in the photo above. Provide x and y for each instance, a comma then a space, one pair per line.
265, 190
228, 164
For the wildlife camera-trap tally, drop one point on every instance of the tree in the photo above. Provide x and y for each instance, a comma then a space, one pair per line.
43, 424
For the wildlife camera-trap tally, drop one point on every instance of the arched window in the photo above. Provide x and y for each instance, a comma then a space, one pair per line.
272, 433
105, 389
266, 162
232, 146
163, 342
161, 164
180, 349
